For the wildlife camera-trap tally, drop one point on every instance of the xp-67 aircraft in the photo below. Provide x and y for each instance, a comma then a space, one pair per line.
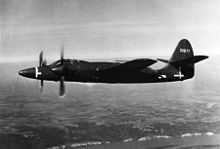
180, 67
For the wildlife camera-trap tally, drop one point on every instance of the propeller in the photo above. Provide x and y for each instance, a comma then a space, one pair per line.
61, 54
41, 63
41, 85
62, 85
41, 58
58, 69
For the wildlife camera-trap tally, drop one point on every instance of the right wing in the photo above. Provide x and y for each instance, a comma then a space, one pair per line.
136, 64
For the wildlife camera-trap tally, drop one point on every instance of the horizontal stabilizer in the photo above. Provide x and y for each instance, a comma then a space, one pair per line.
191, 60
136, 64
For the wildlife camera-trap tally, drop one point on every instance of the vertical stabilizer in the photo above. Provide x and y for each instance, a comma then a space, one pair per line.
183, 51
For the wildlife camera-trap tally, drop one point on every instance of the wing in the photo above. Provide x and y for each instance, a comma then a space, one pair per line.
136, 64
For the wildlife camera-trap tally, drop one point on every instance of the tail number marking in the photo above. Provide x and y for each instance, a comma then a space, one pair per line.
184, 50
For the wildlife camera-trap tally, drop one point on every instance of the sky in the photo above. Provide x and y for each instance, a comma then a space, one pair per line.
90, 29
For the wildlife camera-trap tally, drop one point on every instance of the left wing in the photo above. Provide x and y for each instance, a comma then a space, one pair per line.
136, 64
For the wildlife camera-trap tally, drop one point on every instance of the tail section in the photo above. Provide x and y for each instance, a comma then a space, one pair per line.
183, 51
181, 64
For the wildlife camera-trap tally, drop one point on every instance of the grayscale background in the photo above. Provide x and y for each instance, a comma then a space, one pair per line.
101, 113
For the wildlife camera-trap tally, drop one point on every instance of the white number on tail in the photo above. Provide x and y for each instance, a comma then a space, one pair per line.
184, 50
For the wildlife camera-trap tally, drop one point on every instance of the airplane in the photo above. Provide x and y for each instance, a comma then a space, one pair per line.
179, 67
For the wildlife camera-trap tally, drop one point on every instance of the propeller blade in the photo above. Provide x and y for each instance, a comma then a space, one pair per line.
41, 58
61, 54
41, 85
62, 87
44, 62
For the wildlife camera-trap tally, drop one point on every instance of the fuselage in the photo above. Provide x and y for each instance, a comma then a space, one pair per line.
95, 72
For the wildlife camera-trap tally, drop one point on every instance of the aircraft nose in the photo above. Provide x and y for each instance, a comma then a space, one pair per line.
29, 73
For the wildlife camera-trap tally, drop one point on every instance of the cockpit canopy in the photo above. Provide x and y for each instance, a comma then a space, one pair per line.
65, 61
56, 63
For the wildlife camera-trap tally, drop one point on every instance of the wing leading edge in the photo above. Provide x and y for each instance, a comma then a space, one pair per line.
136, 64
